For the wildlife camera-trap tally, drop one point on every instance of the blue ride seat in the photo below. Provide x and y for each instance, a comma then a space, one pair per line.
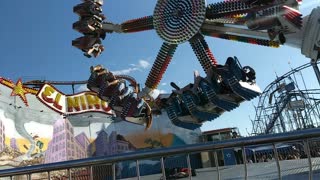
177, 113
235, 78
200, 113
212, 95
209, 97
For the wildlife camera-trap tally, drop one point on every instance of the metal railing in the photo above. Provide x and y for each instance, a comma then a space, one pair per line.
303, 135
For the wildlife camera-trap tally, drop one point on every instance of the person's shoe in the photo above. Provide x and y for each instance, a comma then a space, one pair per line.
87, 55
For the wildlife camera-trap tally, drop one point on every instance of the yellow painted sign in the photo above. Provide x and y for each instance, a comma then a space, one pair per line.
72, 104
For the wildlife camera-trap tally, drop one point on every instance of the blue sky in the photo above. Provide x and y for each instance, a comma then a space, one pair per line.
36, 40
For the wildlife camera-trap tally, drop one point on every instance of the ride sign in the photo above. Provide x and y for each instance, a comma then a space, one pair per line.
72, 104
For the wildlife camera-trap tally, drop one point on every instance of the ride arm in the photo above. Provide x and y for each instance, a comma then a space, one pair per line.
136, 25
308, 37
130, 26
204, 54
158, 69
264, 21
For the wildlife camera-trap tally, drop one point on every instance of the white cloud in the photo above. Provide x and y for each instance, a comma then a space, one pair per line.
82, 87
163, 91
142, 64
163, 84
125, 71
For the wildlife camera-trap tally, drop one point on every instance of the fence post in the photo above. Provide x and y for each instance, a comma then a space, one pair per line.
138, 169
28, 176
216, 164
244, 158
307, 150
69, 174
114, 171
276, 156
189, 166
163, 169
91, 173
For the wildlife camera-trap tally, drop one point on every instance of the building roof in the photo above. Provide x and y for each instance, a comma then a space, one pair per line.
219, 131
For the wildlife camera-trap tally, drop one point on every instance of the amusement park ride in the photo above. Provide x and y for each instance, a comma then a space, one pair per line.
261, 22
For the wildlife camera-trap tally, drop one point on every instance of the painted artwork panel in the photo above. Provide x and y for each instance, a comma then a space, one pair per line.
36, 128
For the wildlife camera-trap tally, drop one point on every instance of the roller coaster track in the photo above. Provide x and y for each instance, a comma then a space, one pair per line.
264, 97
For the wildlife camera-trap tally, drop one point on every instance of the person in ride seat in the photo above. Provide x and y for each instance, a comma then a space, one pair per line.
114, 90
111, 84
250, 74
95, 50
91, 45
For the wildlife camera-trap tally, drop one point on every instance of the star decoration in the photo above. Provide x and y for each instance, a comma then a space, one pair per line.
18, 89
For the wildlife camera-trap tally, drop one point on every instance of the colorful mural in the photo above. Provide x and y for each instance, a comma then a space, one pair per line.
48, 126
